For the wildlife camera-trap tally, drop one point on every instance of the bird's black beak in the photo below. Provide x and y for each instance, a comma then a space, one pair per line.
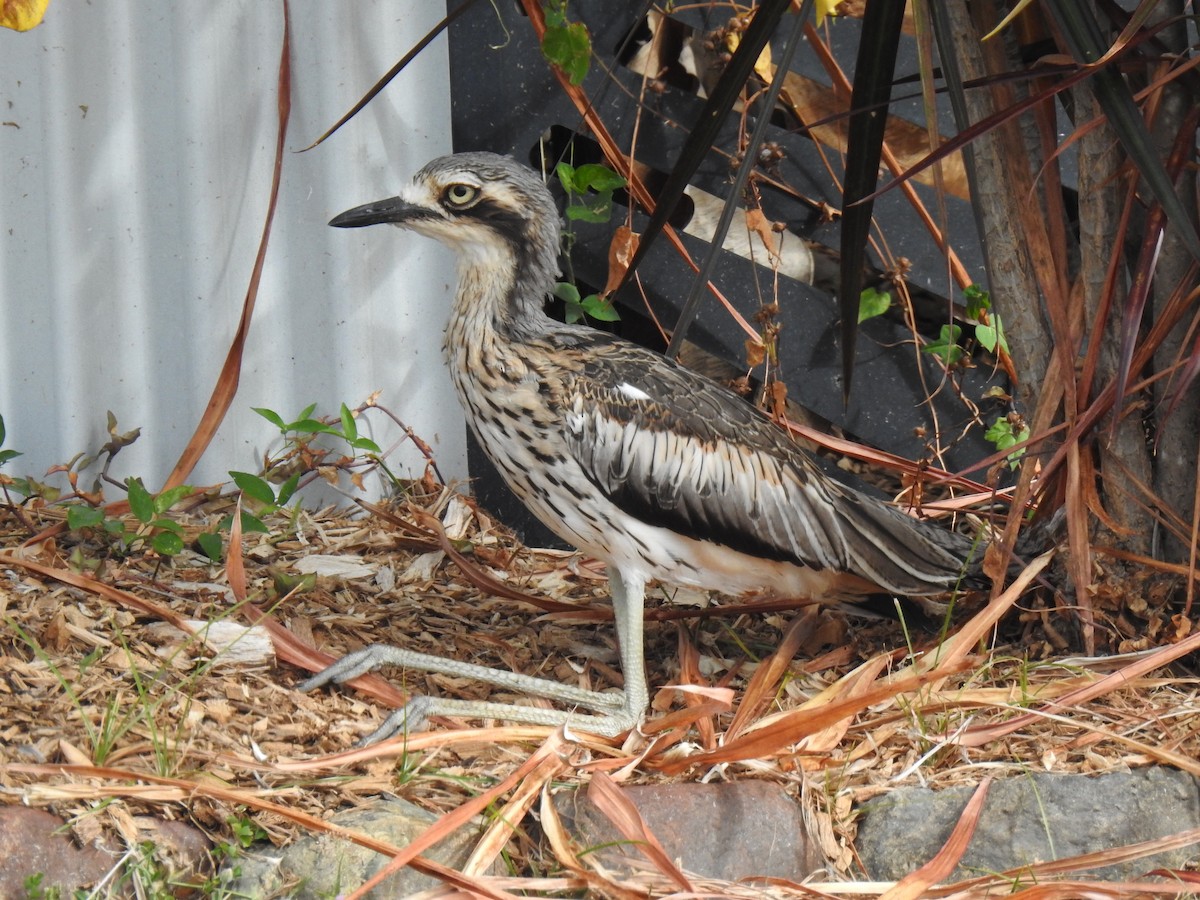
393, 210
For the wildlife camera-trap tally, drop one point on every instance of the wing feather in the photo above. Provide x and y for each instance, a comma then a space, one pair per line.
676, 450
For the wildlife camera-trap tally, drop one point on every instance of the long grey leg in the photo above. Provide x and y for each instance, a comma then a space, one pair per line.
616, 711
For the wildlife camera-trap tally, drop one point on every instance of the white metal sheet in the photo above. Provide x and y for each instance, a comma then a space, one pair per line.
137, 145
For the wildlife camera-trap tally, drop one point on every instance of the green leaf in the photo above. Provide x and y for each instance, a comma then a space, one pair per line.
590, 188
27, 487
287, 489
598, 178
210, 543
872, 303
141, 504
595, 208
349, 426
287, 582
1002, 441
6, 455
167, 525
567, 45
978, 300
312, 426
83, 517
946, 346
566, 176
2, 432
254, 487
365, 444
991, 336
168, 498
167, 543
1002, 436
555, 13
567, 292
599, 308
246, 831
271, 416
252, 524
986, 335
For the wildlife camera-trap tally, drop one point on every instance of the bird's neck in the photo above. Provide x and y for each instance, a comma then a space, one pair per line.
501, 297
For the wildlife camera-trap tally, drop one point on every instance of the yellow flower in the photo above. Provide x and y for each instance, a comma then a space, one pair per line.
21, 15
826, 8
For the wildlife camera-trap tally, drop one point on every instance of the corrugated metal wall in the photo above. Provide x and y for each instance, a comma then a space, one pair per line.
137, 144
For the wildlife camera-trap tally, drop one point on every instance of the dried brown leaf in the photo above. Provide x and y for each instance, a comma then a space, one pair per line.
621, 249
763, 684
762, 226
620, 810
914, 885
756, 352
550, 750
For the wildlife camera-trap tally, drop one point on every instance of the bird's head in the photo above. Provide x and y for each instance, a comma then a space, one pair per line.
495, 213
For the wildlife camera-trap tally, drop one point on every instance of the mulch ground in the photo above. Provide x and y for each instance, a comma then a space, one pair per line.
116, 703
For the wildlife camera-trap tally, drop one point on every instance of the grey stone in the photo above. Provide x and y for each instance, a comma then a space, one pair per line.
733, 831
32, 844
1031, 819
182, 849
321, 865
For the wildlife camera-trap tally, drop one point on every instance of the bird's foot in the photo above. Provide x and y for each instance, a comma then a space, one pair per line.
614, 712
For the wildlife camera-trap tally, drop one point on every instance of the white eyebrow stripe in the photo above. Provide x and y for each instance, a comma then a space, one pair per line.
632, 392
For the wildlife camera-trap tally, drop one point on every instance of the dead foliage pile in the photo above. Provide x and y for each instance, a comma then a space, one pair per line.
165, 691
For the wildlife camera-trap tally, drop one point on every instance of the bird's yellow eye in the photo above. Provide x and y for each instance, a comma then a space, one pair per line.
461, 194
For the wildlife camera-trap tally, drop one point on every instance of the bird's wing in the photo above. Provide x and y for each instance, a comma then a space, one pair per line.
676, 450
